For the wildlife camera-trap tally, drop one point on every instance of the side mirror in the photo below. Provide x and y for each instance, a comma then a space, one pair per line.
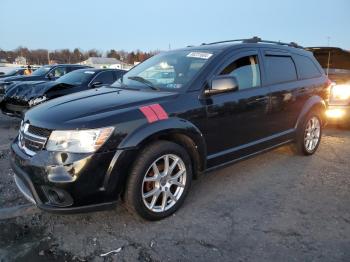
96, 84
222, 84
50, 76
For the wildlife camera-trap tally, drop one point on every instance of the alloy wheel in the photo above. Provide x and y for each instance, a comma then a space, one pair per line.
312, 134
164, 183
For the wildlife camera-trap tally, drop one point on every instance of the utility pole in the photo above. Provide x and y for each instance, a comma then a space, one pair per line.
329, 55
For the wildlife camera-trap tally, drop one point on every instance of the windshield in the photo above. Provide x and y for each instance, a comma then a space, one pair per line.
41, 71
169, 70
77, 77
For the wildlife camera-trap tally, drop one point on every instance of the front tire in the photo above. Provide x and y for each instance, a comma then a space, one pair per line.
159, 180
309, 134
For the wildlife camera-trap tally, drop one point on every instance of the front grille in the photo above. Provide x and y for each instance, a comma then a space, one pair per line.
33, 145
33, 139
38, 131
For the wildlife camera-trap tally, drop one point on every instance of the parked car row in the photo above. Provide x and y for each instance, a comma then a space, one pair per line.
43, 74
21, 96
163, 123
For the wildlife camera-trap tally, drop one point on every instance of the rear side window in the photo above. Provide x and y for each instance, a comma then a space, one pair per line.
280, 69
306, 67
246, 70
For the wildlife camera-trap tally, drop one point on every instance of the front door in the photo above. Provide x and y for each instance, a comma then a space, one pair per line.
237, 120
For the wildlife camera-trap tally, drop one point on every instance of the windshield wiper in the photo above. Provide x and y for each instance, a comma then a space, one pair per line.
144, 81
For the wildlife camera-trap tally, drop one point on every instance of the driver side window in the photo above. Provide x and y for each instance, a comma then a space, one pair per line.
246, 70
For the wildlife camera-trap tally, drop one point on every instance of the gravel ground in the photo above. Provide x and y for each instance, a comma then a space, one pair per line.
273, 207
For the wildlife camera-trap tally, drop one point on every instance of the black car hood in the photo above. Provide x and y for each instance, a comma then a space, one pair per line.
93, 108
29, 89
21, 78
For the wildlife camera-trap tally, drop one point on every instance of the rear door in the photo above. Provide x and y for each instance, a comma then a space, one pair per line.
237, 120
286, 93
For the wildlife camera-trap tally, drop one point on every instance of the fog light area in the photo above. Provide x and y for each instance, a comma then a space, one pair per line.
335, 113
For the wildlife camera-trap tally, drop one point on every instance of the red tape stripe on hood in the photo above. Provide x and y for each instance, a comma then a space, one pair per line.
149, 114
154, 113
158, 109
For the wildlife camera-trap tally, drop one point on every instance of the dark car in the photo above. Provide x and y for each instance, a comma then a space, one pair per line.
43, 74
15, 72
145, 139
24, 95
336, 63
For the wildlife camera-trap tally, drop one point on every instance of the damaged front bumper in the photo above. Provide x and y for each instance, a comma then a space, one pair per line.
66, 183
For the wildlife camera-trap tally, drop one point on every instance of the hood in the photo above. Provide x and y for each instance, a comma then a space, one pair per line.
29, 89
93, 108
21, 78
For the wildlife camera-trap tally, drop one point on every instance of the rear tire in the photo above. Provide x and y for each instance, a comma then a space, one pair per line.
309, 134
159, 181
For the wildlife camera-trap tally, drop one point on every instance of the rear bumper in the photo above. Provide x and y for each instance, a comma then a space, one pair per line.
82, 193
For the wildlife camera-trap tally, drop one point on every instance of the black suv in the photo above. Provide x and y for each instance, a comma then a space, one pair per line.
145, 139
24, 95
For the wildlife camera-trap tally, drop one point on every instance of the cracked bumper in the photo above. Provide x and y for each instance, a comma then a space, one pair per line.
71, 187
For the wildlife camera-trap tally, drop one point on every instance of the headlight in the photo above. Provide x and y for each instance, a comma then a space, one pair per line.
83, 141
36, 101
340, 92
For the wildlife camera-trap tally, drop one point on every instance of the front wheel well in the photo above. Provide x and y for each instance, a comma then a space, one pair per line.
197, 157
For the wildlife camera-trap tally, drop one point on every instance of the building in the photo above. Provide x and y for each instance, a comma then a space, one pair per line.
20, 60
106, 62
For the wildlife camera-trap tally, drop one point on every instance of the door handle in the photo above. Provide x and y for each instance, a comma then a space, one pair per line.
261, 99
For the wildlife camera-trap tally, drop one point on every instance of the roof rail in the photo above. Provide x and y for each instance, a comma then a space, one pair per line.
255, 39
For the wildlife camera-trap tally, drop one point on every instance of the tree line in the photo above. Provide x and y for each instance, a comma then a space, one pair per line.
43, 56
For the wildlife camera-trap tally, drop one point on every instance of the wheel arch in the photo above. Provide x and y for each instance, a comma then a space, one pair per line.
176, 130
313, 103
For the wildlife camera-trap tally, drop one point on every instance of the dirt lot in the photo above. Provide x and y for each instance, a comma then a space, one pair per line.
274, 207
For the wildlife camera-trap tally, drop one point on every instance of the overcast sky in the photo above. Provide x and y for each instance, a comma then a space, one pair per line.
156, 24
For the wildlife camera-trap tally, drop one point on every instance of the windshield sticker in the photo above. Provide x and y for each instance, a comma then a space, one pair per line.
201, 55
89, 72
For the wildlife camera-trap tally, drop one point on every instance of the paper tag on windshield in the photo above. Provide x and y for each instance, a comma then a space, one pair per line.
201, 55
89, 72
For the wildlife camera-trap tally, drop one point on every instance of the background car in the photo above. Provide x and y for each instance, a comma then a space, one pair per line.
24, 95
15, 72
336, 63
43, 74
